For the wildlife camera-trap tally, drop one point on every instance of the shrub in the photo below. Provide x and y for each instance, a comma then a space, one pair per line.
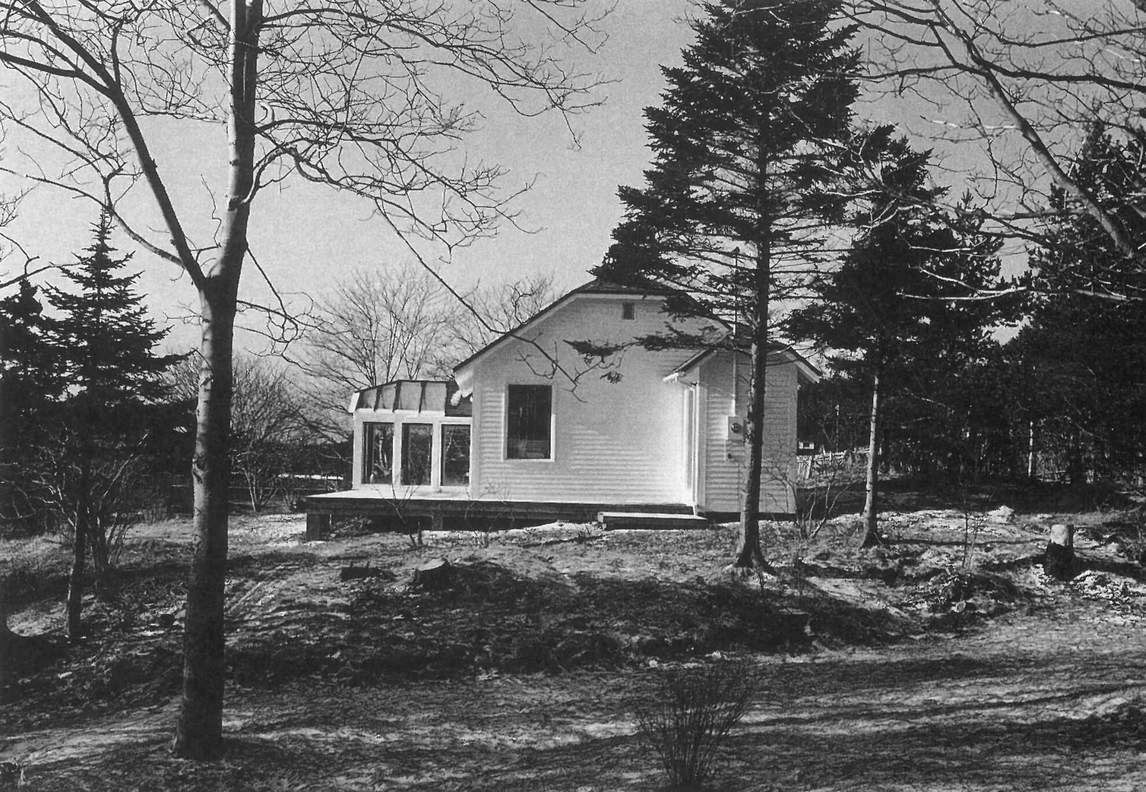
694, 711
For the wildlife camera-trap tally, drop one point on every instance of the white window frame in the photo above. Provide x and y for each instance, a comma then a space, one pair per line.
436, 476
552, 425
398, 418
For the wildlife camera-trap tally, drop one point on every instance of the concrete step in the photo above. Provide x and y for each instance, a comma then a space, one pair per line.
613, 520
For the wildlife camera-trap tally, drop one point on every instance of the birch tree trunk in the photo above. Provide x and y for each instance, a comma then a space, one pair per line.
199, 730
871, 535
345, 104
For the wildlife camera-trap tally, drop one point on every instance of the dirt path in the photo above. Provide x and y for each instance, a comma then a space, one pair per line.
1052, 700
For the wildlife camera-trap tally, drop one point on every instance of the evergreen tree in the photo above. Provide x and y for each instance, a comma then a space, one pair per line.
950, 391
29, 386
860, 310
106, 352
106, 338
882, 310
729, 211
1088, 355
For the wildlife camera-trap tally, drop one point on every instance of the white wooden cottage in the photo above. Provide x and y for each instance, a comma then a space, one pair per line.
531, 430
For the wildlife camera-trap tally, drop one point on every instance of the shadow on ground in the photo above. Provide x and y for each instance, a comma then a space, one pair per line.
492, 619
1015, 718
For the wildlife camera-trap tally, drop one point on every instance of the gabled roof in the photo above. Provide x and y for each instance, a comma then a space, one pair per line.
806, 372
595, 286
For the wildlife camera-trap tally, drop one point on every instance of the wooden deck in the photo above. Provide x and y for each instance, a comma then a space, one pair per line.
454, 513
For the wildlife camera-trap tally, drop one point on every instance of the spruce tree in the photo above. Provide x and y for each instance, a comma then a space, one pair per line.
881, 313
946, 390
107, 358
729, 214
859, 310
1088, 354
106, 338
29, 386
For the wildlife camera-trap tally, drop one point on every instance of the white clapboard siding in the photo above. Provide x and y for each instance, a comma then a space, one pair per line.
726, 459
613, 442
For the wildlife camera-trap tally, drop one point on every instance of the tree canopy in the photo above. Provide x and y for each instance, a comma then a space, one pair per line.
744, 143
365, 97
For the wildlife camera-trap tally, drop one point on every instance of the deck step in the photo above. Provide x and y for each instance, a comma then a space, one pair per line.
611, 520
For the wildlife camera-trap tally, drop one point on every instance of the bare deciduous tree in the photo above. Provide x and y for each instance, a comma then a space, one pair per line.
501, 308
99, 497
1025, 82
352, 95
381, 325
266, 421
373, 327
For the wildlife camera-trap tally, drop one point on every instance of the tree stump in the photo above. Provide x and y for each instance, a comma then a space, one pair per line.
357, 572
317, 526
434, 576
11, 775
1058, 560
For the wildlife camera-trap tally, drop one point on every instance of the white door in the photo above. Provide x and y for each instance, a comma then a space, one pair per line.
690, 446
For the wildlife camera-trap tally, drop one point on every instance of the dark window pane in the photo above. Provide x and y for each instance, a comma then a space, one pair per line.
628, 310
378, 459
528, 421
416, 440
455, 455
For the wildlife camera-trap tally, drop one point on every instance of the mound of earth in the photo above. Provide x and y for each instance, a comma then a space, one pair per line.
550, 600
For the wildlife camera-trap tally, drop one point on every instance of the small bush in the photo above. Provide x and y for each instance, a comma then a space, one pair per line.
695, 710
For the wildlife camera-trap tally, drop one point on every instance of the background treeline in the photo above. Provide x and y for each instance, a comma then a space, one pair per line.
97, 423
1060, 395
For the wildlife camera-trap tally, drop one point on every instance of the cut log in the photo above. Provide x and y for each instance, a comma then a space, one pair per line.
434, 576
1058, 560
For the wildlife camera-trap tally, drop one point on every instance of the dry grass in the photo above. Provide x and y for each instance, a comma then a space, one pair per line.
915, 673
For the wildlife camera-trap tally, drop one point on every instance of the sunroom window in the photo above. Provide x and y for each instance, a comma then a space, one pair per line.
528, 420
417, 441
455, 455
379, 454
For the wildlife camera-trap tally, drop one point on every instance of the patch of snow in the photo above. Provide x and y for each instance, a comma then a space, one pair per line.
1003, 514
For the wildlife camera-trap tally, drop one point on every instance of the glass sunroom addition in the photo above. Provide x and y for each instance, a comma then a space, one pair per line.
412, 433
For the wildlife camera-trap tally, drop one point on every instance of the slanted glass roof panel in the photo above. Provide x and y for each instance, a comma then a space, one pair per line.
410, 396
434, 395
420, 396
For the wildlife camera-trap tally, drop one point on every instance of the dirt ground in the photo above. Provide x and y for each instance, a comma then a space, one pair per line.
944, 661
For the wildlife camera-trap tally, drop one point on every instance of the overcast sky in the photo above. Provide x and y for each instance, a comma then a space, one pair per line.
306, 237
